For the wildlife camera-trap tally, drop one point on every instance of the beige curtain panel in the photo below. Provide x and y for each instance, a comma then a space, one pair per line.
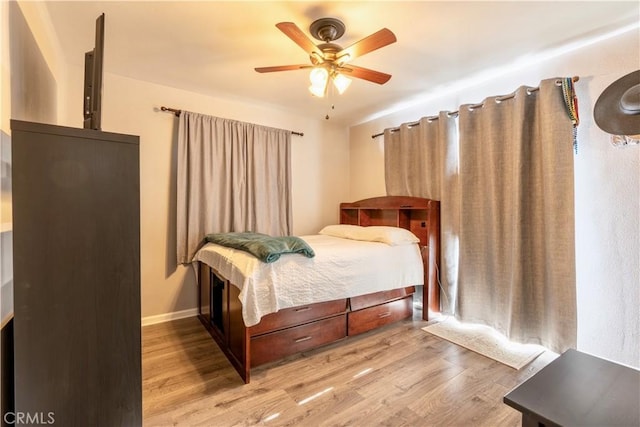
421, 160
505, 187
517, 254
232, 176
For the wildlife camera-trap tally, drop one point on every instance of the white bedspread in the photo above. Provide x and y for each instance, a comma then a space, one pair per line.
342, 268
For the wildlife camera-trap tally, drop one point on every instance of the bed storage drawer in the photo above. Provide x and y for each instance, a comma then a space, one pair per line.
369, 300
276, 345
298, 315
373, 317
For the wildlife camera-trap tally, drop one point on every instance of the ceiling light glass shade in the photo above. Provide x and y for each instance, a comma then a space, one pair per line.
318, 78
341, 83
317, 90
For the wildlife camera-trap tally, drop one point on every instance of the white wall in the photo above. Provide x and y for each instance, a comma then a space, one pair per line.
28, 91
30, 83
606, 187
320, 162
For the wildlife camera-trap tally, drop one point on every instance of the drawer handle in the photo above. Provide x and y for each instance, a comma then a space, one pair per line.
307, 338
302, 309
383, 315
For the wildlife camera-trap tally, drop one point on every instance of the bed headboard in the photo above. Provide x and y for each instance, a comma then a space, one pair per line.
418, 215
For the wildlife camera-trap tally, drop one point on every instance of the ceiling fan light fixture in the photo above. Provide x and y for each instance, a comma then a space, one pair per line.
319, 77
341, 82
317, 90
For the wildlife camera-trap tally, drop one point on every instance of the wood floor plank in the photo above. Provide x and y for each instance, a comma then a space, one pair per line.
397, 376
406, 386
460, 400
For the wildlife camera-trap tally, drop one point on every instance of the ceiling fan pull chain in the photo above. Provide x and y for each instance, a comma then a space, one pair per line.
330, 105
327, 116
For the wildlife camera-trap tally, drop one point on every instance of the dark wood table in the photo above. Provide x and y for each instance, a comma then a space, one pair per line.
577, 389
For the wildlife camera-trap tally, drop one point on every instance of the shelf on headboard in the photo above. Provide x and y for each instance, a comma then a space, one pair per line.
411, 213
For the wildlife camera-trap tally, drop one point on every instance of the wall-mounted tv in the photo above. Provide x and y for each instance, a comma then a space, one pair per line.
93, 59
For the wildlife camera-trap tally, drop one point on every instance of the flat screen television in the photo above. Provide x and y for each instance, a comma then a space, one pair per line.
93, 59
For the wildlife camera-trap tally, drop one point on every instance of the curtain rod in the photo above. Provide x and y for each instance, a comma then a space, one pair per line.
473, 106
178, 112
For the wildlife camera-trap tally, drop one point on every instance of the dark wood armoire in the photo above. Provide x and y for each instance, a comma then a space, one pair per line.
76, 250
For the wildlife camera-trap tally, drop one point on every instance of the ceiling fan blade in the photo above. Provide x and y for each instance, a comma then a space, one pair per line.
368, 44
365, 74
282, 68
292, 31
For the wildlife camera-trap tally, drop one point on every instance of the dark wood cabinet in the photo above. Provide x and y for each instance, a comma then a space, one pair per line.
578, 389
76, 249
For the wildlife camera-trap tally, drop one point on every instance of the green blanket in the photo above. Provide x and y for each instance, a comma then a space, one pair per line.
264, 247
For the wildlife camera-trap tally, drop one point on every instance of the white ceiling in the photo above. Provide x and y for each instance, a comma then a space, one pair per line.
212, 47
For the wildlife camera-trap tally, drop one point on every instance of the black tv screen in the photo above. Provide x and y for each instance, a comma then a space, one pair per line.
93, 59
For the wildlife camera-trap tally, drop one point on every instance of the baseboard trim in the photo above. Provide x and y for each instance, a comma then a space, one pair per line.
167, 317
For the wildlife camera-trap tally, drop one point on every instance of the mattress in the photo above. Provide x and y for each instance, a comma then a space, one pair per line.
342, 268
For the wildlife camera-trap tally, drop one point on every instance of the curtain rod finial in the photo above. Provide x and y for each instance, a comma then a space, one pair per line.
173, 110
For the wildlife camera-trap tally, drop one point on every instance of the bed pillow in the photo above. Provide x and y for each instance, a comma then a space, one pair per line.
393, 236
344, 231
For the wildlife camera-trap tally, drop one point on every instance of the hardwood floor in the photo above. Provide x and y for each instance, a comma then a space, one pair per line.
398, 376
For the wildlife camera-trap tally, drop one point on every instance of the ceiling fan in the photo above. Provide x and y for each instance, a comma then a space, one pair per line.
329, 60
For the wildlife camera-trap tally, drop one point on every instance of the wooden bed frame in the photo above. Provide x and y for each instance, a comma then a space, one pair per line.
297, 329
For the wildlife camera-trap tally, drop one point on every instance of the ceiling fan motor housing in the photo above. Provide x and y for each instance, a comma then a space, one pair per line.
327, 29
